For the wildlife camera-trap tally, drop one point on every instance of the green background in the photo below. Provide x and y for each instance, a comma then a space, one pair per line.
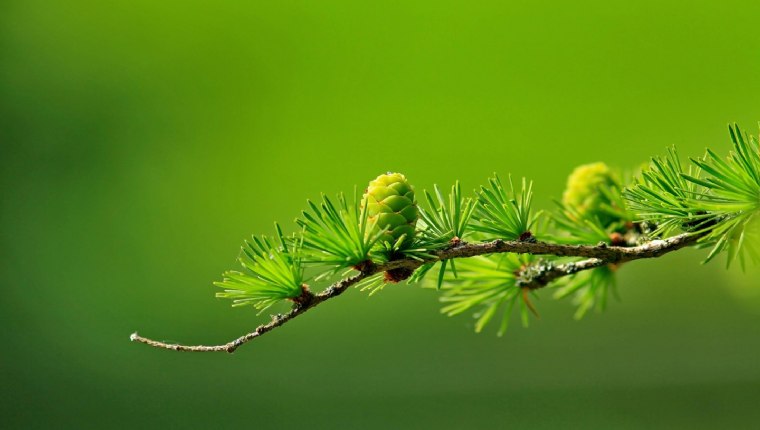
142, 141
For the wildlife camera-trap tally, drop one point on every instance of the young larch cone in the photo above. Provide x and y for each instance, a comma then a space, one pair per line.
391, 206
583, 193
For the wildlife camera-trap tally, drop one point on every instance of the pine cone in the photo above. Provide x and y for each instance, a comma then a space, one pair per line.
391, 206
583, 193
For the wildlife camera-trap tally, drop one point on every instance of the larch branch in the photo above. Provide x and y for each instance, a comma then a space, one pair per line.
595, 256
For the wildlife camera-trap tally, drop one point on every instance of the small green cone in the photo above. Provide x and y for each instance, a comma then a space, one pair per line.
391, 206
583, 193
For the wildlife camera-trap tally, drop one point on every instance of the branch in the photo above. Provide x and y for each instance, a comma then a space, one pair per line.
596, 256
307, 301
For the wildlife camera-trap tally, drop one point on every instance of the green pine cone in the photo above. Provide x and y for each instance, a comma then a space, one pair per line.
391, 206
583, 193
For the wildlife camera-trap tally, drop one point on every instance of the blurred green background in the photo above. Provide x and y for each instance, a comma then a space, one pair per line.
142, 141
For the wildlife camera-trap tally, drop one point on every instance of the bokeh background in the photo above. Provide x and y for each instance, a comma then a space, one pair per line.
142, 141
